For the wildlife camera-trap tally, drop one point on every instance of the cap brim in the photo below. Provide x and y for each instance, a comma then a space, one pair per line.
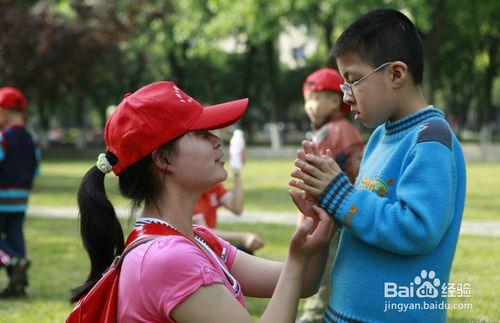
220, 115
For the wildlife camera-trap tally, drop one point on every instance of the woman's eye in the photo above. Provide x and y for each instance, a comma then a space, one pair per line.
201, 132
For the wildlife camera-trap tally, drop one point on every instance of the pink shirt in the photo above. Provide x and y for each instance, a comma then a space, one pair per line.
158, 275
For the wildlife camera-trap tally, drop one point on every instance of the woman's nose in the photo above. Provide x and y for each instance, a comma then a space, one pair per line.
216, 140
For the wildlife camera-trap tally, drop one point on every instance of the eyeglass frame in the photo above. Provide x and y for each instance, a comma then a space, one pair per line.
347, 87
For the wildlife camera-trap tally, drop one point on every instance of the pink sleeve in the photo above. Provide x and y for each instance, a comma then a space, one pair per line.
172, 270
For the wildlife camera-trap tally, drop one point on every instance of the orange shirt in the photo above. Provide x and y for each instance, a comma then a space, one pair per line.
208, 203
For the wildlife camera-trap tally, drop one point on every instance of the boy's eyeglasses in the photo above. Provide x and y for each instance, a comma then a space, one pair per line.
346, 87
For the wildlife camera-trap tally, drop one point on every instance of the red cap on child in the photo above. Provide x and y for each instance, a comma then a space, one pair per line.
12, 99
325, 79
158, 113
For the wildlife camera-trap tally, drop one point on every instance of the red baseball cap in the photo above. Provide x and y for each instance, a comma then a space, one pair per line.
12, 99
158, 113
325, 79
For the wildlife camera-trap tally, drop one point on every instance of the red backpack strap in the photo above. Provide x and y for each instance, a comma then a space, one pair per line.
157, 229
211, 242
148, 230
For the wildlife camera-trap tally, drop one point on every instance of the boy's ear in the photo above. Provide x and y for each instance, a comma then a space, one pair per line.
398, 74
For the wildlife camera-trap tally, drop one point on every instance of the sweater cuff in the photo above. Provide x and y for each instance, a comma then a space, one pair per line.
334, 197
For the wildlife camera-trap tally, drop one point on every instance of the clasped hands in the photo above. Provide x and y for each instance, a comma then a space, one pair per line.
313, 174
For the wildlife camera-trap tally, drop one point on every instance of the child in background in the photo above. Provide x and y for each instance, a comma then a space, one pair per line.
18, 165
332, 130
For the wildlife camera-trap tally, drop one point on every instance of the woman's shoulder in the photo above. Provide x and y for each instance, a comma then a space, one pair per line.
169, 269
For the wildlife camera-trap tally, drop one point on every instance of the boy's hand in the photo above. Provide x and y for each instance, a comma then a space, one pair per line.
253, 241
315, 172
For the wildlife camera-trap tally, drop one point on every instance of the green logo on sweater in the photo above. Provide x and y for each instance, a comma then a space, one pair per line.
378, 185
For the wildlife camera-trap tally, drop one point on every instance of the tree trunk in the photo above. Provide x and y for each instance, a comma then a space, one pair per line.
175, 68
272, 72
431, 49
138, 76
276, 111
43, 141
80, 140
246, 122
328, 30
488, 111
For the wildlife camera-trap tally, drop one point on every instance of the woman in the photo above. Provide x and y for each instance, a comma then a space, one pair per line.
158, 143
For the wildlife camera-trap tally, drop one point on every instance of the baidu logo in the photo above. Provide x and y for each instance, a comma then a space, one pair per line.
427, 284
424, 285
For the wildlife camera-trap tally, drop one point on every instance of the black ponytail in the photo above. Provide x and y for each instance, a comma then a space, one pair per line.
101, 232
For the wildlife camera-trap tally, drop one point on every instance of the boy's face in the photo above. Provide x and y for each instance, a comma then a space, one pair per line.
320, 105
371, 98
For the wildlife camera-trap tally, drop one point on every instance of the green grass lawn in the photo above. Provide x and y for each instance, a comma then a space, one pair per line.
59, 263
265, 182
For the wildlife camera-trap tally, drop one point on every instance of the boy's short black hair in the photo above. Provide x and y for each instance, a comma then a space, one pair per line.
383, 35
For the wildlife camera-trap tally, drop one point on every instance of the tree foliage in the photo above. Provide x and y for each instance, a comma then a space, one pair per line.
73, 58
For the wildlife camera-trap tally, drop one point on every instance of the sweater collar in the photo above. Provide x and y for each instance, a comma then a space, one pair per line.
411, 120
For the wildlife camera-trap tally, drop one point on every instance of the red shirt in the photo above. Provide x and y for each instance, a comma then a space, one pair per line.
344, 140
208, 203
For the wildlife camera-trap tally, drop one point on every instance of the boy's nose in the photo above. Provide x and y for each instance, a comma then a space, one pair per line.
348, 99
310, 106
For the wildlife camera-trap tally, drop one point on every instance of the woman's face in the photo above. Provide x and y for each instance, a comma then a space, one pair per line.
197, 163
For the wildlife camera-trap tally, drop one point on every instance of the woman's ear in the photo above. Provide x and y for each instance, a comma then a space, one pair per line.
161, 161
398, 74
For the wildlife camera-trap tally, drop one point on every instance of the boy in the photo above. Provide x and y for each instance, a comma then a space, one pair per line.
326, 111
402, 217
18, 164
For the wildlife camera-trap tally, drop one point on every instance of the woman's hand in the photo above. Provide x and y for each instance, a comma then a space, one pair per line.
312, 235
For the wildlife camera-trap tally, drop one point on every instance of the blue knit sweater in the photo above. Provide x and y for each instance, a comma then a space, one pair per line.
400, 221
19, 159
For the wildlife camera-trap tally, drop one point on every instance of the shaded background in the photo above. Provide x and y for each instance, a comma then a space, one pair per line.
74, 58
